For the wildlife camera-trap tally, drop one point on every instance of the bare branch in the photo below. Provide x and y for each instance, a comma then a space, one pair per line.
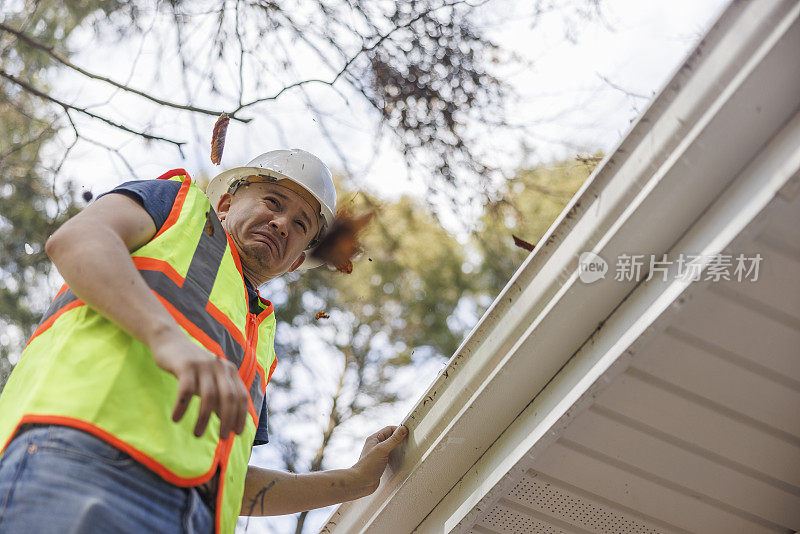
365, 48
241, 54
114, 151
58, 168
20, 146
333, 422
64, 61
36, 92
622, 89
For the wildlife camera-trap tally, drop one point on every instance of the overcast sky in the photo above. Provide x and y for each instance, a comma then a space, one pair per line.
567, 99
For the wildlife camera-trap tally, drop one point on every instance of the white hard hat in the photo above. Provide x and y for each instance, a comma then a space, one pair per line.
298, 166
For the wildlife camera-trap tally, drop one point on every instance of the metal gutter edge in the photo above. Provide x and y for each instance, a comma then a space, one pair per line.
737, 215
642, 199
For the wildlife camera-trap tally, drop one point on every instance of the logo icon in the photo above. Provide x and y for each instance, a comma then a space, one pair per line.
591, 267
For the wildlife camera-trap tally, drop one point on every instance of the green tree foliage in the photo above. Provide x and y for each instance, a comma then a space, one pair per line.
416, 289
526, 207
398, 309
390, 312
31, 206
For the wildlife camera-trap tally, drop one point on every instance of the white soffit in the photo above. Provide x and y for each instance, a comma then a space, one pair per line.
691, 427
715, 155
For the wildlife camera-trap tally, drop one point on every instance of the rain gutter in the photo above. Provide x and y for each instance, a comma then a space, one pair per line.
731, 96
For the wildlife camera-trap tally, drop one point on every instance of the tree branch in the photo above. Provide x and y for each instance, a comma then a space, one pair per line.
365, 48
36, 92
20, 146
333, 422
241, 54
622, 89
64, 61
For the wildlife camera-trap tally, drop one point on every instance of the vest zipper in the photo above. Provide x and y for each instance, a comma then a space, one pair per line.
251, 349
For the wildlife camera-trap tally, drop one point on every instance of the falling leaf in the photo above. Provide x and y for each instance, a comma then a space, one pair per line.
321, 315
346, 267
340, 244
218, 138
521, 243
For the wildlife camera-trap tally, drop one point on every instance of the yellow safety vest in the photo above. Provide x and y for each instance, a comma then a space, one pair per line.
81, 370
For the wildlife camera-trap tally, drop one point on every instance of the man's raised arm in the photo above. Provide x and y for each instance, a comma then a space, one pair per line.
92, 253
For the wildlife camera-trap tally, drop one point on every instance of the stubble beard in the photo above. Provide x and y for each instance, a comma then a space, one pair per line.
255, 259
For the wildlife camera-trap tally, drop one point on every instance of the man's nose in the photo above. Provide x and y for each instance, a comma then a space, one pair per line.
279, 225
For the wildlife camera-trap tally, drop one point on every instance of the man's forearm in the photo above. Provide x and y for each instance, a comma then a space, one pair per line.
98, 268
268, 492
92, 252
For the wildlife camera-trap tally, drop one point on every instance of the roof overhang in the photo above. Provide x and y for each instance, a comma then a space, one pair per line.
716, 152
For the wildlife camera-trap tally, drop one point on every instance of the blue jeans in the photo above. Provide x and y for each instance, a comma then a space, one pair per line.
62, 480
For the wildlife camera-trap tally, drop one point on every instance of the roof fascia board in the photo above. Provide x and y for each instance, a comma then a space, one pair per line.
735, 217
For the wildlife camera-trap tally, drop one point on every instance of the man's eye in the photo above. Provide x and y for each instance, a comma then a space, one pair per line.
302, 225
273, 201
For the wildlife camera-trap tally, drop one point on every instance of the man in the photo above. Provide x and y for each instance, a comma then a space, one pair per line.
138, 399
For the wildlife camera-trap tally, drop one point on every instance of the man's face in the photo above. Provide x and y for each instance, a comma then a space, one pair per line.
270, 225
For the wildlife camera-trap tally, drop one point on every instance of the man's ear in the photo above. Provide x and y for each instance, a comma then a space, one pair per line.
224, 205
297, 262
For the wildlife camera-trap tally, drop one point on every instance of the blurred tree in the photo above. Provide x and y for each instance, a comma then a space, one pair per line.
423, 68
31, 206
393, 310
526, 206
411, 298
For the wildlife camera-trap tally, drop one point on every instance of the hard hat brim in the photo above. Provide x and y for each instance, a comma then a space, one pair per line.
220, 184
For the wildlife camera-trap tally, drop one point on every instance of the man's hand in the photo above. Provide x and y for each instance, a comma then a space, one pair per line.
214, 380
269, 492
375, 456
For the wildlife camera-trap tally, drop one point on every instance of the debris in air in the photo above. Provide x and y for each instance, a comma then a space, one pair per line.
346, 267
521, 243
218, 138
209, 227
87, 196
340, 244
321, 315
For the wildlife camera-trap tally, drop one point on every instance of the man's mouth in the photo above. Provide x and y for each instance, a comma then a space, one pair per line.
270, 240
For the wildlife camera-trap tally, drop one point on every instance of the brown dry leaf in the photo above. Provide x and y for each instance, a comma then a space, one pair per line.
321, 315
522, 243
218, 138
346, 267
340, 244
208, 228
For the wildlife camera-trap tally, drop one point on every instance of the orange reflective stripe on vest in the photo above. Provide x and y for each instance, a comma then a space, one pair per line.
80, 369
189, 299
